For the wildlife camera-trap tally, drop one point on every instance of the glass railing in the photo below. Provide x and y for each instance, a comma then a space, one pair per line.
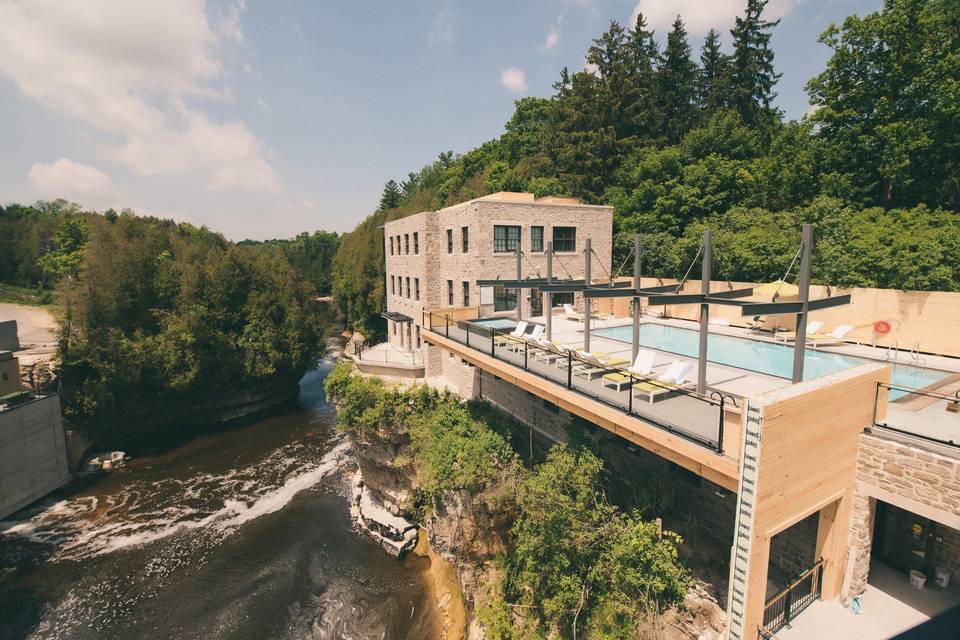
920, 413
676, 408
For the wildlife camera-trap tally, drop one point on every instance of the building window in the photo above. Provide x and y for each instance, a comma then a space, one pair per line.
408, 286
416, 288
406, 243
393, 285
565, 239
449, 240
394, 325
449, 293
466, 294
504, 299
398, 245
536, 239
465, 239
560, 299
391, 245
416, 243
506, 238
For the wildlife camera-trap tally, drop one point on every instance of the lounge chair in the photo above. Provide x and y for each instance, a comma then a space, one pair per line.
516, 344
787, 336
755, 323
571, 313
674, 378
592, 365
548, 351
518, 331
834, 337
642, 367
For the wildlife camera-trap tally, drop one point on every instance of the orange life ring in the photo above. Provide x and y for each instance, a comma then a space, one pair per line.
881, 326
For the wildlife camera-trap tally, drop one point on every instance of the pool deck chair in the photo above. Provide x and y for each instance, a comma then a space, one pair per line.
517, 344
642, 367
592, 365
673, 379
548, 351
790, 336
572, 313
834, 337
518, 331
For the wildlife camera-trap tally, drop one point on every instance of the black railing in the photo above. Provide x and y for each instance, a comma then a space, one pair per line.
903, 422
782, 608
369, 343
690, 415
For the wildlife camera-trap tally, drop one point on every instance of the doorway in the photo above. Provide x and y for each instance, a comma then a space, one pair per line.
903, 540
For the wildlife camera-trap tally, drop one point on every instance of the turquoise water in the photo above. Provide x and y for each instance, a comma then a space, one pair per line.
762, 357
496, 323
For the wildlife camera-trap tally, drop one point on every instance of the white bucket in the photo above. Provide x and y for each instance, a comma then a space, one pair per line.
942, 579
917, 579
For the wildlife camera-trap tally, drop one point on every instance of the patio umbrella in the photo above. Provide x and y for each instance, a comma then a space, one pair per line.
783, 290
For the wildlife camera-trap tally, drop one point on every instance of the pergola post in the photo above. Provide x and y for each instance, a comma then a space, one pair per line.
519, 277
548, 297
704, 313
587, 306
800, 344
636, 299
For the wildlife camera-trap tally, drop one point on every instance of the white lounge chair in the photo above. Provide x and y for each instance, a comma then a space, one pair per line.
834, 337
518, 331
812, 328
571, 313
591, 365
516, 344
642, 366
674, 378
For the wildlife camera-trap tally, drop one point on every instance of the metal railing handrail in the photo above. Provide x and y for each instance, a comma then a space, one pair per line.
443, 328
906, 432
778, 610
919, 392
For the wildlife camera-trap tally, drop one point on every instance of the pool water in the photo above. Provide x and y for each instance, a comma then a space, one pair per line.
762, 357
496, 323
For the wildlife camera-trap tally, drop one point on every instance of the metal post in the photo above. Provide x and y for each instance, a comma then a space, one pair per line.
519, 277
525, 346
493, 342
704, 312
548, 297
587, 306
720, 429
467, 327
636, 300
800, 344
447, 325
569, 368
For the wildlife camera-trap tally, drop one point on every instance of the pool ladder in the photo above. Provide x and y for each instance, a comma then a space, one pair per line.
893, 354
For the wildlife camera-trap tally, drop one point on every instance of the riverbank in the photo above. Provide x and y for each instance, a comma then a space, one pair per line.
242, 531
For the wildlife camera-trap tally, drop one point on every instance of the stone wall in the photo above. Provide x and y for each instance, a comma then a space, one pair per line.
920, 478
794, 550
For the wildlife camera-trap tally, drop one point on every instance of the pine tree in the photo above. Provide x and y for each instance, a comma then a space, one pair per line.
644, 56
752, 75
714, 76
677, 83
392, 196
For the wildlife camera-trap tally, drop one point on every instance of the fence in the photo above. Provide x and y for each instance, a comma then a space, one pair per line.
674, 408
919, 413
782, 608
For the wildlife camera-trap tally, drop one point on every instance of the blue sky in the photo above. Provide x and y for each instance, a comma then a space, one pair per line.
266, 119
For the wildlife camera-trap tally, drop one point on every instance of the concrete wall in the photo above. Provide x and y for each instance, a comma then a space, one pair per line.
33, 456
8, 336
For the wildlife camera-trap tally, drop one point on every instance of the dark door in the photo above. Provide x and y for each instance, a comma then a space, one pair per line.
903, 539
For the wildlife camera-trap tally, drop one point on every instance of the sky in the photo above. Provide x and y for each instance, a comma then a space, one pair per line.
264, 119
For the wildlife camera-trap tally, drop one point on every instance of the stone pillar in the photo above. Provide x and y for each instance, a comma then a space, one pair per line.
861, 543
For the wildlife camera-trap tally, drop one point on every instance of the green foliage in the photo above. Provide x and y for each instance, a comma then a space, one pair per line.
579, 566
752, 75
311, 254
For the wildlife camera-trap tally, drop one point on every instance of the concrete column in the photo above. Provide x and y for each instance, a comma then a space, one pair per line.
587, 302
832, 544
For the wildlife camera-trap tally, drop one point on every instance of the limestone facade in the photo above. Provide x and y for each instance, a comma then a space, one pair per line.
427, 252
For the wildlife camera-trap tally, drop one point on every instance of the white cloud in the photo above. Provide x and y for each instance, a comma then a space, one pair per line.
700, 16
552, 39
514, 79
309, 203
131, 74
68, 179
442, 31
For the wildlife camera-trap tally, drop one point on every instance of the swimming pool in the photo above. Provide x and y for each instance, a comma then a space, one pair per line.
496, 323
762, 357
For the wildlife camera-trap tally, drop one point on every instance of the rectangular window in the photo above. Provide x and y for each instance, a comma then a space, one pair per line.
565, 239
391, 245
406, 243
449, 293
416, 288
416, 243
408, 286
394, 325
504, 299
393, 285
465, 239
536, 239
449, 240
466, 294
560, 299
506, 238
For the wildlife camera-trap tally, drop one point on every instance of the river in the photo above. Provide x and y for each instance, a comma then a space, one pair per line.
242, 532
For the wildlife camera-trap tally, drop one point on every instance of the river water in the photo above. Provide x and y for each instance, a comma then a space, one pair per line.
239, 533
